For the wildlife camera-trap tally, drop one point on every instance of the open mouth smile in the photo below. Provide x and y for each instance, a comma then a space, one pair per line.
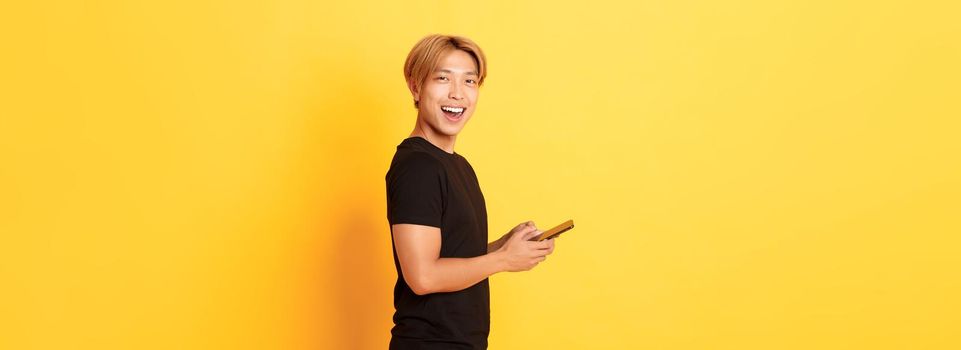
454, 113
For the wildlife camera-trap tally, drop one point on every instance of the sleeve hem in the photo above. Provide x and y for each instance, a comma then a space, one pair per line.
415, 221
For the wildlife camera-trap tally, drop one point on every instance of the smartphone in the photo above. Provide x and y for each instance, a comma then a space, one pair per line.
554, 232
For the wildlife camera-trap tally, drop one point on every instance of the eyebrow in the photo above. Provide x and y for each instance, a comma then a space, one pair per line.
450, 71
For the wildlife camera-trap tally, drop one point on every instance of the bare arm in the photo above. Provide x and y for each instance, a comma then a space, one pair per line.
418, 251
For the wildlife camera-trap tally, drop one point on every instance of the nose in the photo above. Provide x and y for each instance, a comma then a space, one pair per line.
455, 92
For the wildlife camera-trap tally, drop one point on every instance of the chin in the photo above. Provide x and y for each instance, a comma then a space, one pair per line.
448, 131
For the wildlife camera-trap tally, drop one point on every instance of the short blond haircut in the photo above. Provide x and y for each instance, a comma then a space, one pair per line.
427, 53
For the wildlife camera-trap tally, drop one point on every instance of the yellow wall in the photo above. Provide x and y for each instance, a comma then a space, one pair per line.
743, 174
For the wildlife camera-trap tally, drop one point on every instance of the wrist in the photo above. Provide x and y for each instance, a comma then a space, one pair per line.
498, 261
495, 245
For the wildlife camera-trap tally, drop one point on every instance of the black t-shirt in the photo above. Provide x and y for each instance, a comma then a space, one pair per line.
428, 186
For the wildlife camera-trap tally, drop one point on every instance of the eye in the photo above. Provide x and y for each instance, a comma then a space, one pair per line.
471, 81
442, 78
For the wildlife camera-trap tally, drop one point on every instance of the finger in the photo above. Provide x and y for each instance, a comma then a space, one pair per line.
539, 253
524, 234
541, 245
530, 232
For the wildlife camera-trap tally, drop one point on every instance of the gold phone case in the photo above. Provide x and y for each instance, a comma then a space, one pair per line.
556, 231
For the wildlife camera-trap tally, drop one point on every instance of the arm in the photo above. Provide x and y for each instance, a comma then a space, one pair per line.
418, 252
418, 248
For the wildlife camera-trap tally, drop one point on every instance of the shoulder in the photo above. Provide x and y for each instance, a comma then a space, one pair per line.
418, 160
415, 163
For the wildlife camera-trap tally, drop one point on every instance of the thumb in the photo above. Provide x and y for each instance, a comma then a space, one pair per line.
525, 233
531, 233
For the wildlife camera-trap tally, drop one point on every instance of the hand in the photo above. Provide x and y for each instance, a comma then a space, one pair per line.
496, 245
519, 253
518, 228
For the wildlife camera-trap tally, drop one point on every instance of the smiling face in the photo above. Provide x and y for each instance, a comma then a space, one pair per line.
449, 94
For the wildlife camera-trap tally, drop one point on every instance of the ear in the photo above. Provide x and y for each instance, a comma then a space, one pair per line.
414, 90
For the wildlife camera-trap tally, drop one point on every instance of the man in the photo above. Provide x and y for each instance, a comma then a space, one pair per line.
437, 213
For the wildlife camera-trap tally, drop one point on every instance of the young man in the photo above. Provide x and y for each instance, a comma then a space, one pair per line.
436, 211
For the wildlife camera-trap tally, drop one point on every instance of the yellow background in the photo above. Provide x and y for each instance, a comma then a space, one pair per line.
743, 174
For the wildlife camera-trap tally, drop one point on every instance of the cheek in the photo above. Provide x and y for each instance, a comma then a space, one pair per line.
470, 93
432, 92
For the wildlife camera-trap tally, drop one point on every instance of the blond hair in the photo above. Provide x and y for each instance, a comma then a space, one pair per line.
427, 53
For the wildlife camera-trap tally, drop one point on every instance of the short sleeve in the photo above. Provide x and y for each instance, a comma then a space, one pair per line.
415, 191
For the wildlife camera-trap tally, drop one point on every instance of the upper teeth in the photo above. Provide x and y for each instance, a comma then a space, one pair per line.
453, 109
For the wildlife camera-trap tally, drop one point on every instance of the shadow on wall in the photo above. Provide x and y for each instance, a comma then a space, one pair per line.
356, 265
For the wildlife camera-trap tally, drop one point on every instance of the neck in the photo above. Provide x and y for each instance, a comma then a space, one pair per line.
444, 142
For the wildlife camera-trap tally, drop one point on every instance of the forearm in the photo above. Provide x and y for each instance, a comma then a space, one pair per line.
454, 274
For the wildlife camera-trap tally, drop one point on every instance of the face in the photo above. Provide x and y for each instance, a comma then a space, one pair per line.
448, 97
